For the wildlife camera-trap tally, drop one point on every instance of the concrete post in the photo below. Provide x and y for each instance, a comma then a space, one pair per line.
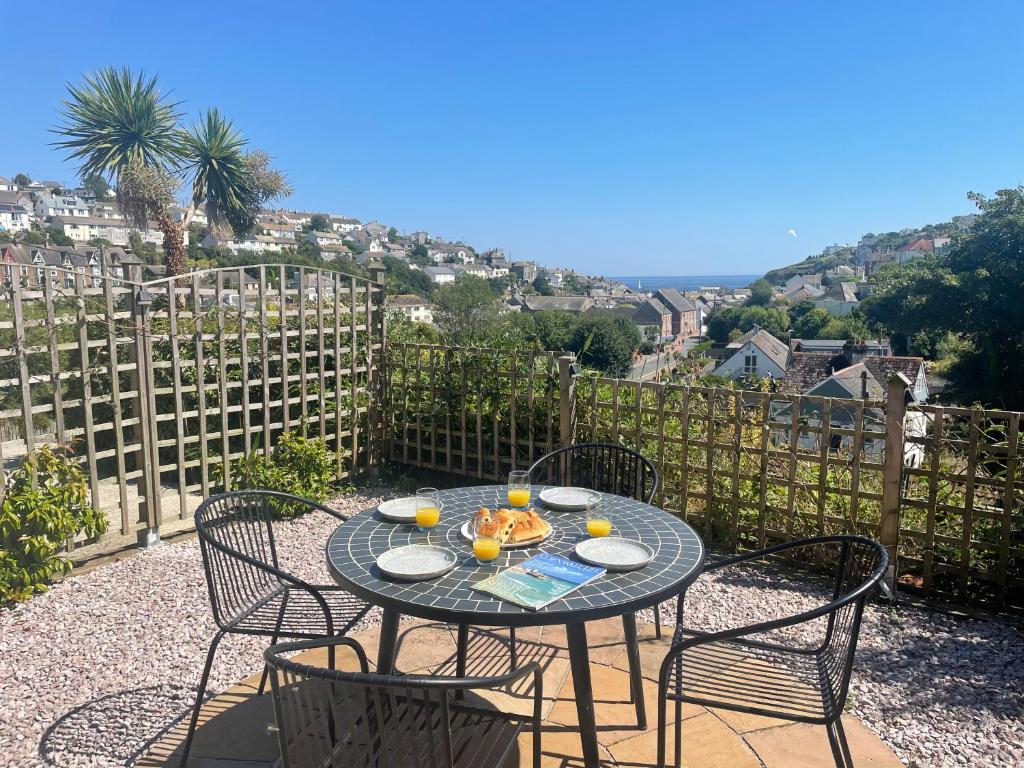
897, 396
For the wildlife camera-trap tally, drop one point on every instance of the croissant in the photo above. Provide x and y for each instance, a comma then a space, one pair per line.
510, 526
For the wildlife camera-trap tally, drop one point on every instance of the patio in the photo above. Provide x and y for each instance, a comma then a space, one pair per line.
103, 668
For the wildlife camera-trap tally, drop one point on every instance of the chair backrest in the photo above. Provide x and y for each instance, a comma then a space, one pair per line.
859, 565
235, 536
331, 718
605, 467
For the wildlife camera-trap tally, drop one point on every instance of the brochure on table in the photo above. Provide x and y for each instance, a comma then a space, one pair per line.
539, 581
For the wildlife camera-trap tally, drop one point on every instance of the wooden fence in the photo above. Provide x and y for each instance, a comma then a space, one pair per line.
943, 488
158, 386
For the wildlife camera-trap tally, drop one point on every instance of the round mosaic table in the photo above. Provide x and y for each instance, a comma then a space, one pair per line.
353, 548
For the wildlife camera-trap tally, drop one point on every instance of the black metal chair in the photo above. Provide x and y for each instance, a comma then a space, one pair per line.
605, 467
749, 669
327, 718
249, 593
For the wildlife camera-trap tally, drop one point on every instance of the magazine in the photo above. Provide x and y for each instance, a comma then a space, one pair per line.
539, 581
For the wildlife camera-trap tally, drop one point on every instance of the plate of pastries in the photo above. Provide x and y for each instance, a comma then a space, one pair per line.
512, 528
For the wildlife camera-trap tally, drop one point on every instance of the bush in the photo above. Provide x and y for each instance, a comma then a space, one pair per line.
298, 465
45, 503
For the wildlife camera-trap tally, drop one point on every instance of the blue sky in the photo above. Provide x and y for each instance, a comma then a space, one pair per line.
620, 138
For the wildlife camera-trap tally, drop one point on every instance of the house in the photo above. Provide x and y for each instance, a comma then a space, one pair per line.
254, 243
439, 275
14, 218
325, 238
377, 230
684, 312
414, 307
344, 224
333, 252
420, 237
853, 352
655, 315
574, 304
797, 280
280, 231
920, 247
941, 242
478, 270
524, 270
47, 206
840, 299
446, 253
801, 292
756, 353
84, 228
6, 185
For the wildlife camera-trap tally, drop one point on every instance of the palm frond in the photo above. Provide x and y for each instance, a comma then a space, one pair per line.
221, 177
116, 119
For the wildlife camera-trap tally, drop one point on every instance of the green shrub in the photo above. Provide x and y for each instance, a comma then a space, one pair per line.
45, 503
298, 465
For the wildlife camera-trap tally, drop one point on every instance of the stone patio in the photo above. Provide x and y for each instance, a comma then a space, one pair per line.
237, 727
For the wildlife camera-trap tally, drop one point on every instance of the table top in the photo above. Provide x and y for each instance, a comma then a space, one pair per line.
353, 548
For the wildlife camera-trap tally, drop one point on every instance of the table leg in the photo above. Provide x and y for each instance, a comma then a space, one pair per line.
388, 641
579, 661
636, 679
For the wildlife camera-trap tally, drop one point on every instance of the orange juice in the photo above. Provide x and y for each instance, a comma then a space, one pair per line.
598, 526
519, 497
486, 549
428, 517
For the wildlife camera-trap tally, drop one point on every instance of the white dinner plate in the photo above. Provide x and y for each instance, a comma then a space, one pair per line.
614, 553
467, 533
401, 510
566, 499
416, 562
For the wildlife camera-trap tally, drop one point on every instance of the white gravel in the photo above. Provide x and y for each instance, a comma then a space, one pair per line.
95, 669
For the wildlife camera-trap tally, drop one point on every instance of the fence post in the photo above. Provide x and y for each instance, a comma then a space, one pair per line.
897, 394
566, 399
148, 487
377, 380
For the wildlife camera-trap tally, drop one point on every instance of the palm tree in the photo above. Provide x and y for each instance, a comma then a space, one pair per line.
118, 125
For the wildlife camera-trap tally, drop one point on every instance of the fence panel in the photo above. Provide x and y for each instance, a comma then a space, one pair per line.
478, 412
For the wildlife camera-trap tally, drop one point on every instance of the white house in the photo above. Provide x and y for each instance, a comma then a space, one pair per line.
14, 218
84, 228
414, 307
439, 275
324, 238
60, 205
6, 185
281, 231
755, 353
345, 224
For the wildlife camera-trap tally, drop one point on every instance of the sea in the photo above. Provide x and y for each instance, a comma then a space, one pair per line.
685, 282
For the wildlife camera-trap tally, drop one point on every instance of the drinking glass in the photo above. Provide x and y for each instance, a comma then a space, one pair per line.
428, 509
598, 521
519, 488
486, 546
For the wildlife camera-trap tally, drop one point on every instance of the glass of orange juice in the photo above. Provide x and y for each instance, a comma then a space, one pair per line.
428, 509
598, 521
486, 546
519, 488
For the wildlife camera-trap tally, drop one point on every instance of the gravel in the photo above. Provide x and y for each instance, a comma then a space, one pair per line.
97, 668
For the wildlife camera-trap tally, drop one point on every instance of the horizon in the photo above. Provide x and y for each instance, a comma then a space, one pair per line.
741, 135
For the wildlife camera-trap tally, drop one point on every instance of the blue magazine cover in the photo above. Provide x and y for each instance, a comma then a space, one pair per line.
539, 581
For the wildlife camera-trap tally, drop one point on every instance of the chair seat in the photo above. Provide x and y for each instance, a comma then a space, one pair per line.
746, 677
303, 615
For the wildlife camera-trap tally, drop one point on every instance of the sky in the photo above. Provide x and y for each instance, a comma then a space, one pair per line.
618, 138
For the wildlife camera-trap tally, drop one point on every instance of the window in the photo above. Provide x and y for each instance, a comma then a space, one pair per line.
750, 365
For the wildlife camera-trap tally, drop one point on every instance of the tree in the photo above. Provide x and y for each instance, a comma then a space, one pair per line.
606, 342
58, 238
721, 322
392, 234
319, 223
118, 125
22, 180
464, 309
96, 184
542, 286
399, 278
101, 242
418, 254
761, 294
973, 291
810, 325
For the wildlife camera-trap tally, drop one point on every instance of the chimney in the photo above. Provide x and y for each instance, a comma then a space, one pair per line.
864, 384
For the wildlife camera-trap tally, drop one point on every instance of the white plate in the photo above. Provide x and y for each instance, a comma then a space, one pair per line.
567, 499
401, 510
467, 533
614, 553
416, 562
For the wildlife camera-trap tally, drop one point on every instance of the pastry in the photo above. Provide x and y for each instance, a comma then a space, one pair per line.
511, 526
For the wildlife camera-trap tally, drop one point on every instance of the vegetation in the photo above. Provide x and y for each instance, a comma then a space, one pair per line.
973, 292
118, 126
761, 294
301, 466
45, 504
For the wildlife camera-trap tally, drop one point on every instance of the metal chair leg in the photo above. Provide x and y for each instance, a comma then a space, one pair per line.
461, 652
200, 693
679, 734
513, 655
840, 747
273, 640
662, 726
657, 622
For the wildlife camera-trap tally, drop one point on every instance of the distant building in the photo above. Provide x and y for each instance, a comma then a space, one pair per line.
574, 304
47, 206
324, 238
14, 218
653, 314
439, 275
755, 353
684, 313
797, 280
413, 307
345, 224
524, 270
